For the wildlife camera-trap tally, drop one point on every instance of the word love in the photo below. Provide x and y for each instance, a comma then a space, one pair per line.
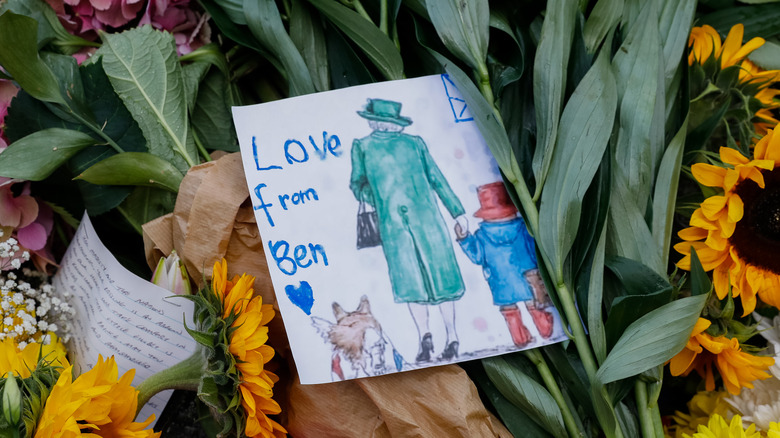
296, 152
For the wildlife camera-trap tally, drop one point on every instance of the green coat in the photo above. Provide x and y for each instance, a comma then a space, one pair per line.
394, 172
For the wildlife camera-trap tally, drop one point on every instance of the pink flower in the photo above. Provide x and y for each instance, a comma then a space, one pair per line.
84, 17
189, 27
7, 92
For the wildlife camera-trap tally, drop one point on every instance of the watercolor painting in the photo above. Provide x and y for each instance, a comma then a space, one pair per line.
390, 238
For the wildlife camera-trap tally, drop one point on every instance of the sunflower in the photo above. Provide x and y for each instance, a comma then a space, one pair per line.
704, 42
736, 234
718, 427
95, 402
737, 368
22, 361
228, 369
247, 338
701, 407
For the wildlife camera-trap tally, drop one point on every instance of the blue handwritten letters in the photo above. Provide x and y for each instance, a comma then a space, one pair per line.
289, 259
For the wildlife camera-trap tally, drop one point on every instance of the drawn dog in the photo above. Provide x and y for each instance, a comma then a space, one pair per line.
360, 348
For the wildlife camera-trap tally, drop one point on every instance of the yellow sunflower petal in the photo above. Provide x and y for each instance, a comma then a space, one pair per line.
732, 156
708, 175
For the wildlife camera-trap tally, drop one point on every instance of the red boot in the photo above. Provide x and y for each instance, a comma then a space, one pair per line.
543, 321
520, 334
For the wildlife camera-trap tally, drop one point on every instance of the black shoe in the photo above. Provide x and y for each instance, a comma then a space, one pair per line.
451, 351
426, 348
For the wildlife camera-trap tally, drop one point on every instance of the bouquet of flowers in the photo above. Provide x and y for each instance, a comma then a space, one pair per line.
637, 140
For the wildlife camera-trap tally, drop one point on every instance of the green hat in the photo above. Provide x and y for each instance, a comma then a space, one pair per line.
384, 111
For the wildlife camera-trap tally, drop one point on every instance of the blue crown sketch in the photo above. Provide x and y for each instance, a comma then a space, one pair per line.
459, 108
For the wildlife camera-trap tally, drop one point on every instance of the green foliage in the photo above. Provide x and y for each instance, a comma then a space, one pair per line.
142, 67
19, 57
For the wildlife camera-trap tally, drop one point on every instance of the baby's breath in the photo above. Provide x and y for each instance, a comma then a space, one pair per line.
29, 311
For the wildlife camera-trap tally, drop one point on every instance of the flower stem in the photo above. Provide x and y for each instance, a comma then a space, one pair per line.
184, 375
383, 16
577, 333
646, 423
549, 381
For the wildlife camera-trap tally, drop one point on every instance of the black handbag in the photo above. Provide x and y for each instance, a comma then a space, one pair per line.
367, 228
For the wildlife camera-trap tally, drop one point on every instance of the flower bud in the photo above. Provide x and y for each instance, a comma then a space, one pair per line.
172, 275
12, 400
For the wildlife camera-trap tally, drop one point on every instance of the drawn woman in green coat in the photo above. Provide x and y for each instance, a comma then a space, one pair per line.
395, 173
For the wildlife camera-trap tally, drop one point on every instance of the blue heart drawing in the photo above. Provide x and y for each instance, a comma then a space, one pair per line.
302, 296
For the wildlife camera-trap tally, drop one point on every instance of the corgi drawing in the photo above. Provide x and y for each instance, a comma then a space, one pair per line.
360, 348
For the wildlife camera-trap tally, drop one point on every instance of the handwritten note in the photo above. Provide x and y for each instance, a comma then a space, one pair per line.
122, 315
451, 273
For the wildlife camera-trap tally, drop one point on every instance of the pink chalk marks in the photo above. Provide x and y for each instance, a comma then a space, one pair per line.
480, 324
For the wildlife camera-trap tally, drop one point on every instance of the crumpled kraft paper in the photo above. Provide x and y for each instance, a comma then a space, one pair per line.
213, 218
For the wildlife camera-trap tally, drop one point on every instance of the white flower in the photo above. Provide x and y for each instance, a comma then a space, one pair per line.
761, 404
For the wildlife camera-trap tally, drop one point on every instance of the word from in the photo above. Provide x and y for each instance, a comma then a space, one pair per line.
297, 198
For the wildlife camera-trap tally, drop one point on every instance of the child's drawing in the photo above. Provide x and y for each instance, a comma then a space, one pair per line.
394, 172
505, 250
360, 348
361, 195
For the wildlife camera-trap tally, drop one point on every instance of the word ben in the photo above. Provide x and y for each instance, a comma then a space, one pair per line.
302, 257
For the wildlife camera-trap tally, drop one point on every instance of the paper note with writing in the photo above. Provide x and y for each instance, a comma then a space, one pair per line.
391, 240
122, 315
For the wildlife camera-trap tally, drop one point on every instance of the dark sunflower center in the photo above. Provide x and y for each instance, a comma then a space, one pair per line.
756, 237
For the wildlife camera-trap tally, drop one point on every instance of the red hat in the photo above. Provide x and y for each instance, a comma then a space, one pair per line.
494, 202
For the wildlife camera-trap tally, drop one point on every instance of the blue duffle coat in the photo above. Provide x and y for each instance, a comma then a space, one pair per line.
505, 251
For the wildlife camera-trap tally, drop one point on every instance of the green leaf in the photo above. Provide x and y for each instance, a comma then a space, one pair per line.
596, 331
309, 37
145, 204
234, 10
525, 393
19, 57
604, 17
49, 26
345, 66
571, 374
665, 194
639, 76
37, 155
674, 27
134, 169
232, 30
652, 339
143, 68
209, 54
376, 45
767, 56
266, 25
550, 66
759, 20
628, 235
700, 281
211, 118
515, 419
64, 215
643, 291
463, 26
191, 75
585, 128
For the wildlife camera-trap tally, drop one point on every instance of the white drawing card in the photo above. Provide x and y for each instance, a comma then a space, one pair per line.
391, 240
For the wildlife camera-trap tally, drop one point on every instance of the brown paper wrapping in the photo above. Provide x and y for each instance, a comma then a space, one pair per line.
212, 219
